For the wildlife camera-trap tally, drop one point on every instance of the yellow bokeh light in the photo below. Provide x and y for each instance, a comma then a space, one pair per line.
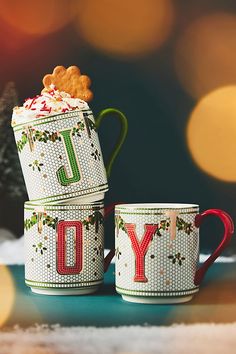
37, 17
206, 54
211, 134
7, 294
124, 28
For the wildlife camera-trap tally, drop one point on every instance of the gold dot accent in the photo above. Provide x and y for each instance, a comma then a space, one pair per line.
87, 243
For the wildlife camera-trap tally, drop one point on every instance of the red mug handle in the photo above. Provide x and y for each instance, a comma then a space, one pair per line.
107, 260
228, 232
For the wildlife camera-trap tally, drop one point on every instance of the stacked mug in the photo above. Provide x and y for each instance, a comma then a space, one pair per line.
66, 181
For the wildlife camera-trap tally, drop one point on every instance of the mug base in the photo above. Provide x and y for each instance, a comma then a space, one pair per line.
92, 198
59, 292
157, 300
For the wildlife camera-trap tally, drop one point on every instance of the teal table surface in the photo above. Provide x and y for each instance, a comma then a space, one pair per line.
216, 302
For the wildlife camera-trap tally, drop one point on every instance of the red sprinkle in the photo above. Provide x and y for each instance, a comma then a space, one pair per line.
32, 102
45, 108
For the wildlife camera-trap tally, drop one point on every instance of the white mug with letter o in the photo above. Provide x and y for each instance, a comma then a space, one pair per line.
64, 247
157, 251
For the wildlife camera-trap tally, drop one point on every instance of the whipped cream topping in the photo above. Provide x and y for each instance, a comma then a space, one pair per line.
50, 102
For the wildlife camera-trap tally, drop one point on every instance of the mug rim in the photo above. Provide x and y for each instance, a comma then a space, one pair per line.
155, 206
60, 206
41, 120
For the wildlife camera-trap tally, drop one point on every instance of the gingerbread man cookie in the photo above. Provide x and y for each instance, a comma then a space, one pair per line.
71, 81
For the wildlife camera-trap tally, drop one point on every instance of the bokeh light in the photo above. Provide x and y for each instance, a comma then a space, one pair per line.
36, 18
211, 134
206, 54
7, 294
124, 28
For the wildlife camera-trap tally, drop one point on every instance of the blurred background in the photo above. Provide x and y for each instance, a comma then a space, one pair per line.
169, 65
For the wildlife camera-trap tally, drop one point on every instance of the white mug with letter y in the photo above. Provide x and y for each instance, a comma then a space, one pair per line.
157, 251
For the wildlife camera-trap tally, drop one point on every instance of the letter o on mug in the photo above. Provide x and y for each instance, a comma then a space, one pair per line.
64, 248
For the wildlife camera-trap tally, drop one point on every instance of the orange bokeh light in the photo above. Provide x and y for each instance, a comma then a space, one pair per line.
124, 28
36, 18
7, 294
206, 54
211, 134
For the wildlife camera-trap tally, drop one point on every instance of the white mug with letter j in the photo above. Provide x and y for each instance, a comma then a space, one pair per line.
157, 251
61, 158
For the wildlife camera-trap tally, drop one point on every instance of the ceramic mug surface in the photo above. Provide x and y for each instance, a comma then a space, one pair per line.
64, 247
61, 156
157, 251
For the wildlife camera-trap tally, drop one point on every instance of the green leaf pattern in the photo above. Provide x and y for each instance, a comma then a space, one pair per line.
28, 223
185, 226
120, 224
96, 219
20, 144
177, 258
45, 136
36, 165
39, 248
91, 124
76, 130
164, 225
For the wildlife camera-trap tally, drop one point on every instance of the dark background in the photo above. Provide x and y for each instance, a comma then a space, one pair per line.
154, 164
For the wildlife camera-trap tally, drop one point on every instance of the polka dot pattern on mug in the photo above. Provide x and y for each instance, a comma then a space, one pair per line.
169, 263
41, 248
45, 153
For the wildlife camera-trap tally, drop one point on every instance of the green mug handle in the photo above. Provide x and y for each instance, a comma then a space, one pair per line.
123, 132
